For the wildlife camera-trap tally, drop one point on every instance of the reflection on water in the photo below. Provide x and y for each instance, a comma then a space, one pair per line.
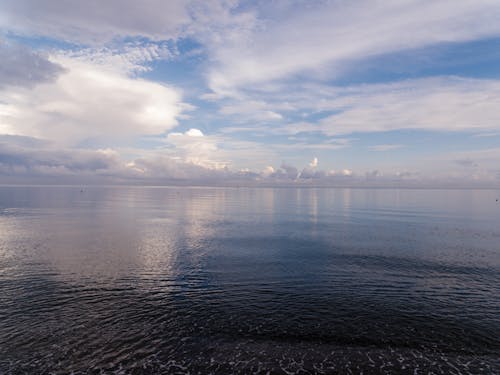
249, 280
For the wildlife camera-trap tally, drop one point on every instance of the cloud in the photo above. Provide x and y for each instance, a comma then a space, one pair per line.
40, 161
326, 36
23, 67
487, 135
289, 174
250, 110
373, 174
130, 58
73, 109
385, 147
289, 171
194, 133
311, 173
268, 171
467, 163
484, 160
32, 159
195, 148
443, 103
29, 160
88, 101
171, 168
95, 21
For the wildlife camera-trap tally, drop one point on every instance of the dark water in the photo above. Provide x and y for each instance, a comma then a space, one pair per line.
202, 280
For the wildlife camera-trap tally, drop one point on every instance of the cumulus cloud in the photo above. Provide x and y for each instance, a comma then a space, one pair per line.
194, 147
87, 101
32, 161
167, 167
289, 171
194, 133
311, 173
21, 66
268, 171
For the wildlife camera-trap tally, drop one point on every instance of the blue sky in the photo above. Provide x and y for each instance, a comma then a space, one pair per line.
221, 92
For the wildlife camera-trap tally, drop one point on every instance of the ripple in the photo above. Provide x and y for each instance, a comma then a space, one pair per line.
139, 281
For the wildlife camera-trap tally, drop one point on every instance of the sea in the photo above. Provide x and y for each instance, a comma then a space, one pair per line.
200, 280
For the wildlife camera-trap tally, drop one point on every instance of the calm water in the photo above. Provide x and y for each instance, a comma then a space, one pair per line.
205, 280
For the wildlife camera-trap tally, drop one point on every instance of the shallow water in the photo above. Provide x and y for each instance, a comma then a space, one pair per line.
228, 280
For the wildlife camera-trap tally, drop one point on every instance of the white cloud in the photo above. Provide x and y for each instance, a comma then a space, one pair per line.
328, 35
95, 21
444, 103
385, 147
314, 163
487, 135
268, 171
196, 148
129, 58
89, 101
250, 110
194, 133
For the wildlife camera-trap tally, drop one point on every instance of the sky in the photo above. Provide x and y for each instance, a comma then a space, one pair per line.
223, 92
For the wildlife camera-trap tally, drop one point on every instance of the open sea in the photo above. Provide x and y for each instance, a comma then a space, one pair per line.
139, 280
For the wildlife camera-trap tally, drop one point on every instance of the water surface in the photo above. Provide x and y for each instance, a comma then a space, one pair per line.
228, 280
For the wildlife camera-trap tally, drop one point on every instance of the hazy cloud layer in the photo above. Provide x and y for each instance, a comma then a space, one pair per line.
27, 159
21, 66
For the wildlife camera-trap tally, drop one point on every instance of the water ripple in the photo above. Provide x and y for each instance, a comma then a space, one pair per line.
229, 281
